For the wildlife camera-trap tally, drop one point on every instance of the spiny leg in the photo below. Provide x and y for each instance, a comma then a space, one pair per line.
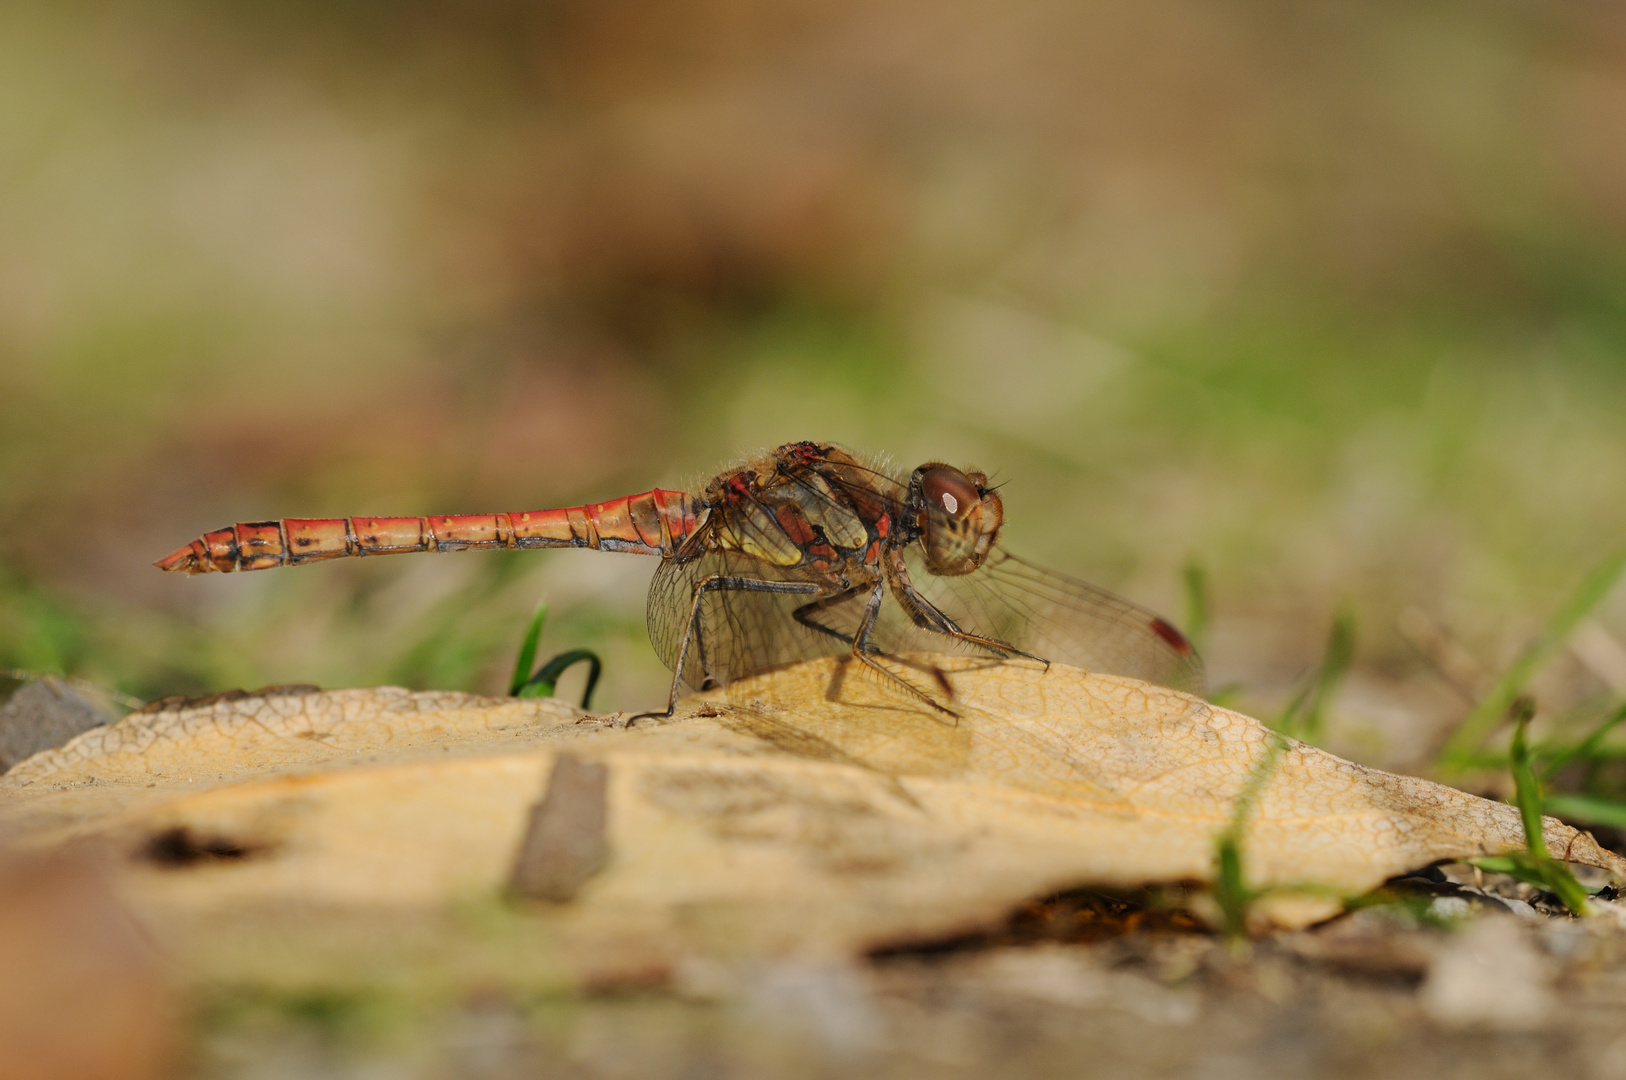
865, 654
692, 625
804, 614
928, 616
1004, 649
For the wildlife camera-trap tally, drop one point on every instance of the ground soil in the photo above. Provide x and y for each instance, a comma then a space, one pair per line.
1447, 974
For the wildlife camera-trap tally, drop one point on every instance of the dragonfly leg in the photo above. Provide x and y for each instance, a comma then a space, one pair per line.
804, 614
692, 626
865, 653
928, 616
861, 647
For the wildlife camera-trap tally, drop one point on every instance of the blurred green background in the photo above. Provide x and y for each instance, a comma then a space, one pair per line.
1327, 299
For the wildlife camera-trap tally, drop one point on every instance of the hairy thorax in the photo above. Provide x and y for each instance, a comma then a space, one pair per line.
808, 506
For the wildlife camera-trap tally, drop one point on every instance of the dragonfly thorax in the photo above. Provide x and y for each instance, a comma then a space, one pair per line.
958, 516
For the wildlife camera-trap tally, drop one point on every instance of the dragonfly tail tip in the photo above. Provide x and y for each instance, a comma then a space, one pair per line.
187, 560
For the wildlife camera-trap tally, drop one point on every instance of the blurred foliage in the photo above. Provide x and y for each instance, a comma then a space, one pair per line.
1324, 299
1534, 865
1307, 708
1506, 694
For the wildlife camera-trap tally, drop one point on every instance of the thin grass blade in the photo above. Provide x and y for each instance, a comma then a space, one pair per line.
1495, 705
1302, 718
527, 653
546, 679
1198, 604
1588, 749
1586, 810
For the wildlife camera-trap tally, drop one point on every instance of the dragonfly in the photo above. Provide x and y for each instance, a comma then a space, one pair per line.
790, 556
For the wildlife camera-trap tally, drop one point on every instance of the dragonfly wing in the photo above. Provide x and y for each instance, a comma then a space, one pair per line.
1062, 619
740, 632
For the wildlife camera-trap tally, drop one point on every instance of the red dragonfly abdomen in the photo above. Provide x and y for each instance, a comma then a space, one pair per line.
653, 523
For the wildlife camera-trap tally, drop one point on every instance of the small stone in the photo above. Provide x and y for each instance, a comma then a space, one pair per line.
42, 715
1609, 912
1449, 908
1489, 975
831, 1002
1565, 939
1519, 908
1060, 975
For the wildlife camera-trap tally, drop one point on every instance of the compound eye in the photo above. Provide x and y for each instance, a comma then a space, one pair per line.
950, 491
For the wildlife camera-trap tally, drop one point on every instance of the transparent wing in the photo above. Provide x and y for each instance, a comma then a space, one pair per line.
741, 632
1040, 611
1059, 618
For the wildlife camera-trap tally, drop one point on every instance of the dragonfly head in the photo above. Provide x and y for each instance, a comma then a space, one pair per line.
958, 516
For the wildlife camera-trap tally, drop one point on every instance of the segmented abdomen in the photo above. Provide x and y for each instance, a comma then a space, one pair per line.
653, 523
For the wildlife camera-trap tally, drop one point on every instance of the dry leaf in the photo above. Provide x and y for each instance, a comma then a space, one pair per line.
810, 811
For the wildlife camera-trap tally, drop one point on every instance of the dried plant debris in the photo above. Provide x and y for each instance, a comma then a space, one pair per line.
1071, 917
808, 812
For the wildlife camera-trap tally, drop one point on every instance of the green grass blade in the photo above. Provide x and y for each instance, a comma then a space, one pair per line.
1564, 885
1288, 719
1548, 874
1302, 718
1526, 789
1534, 865
1586, 810
1197, 604
1334, 666
542, 684
1589, 748
1494, 706
527, 653
1231, 890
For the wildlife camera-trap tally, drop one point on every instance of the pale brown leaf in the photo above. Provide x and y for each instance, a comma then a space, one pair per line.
810, 811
